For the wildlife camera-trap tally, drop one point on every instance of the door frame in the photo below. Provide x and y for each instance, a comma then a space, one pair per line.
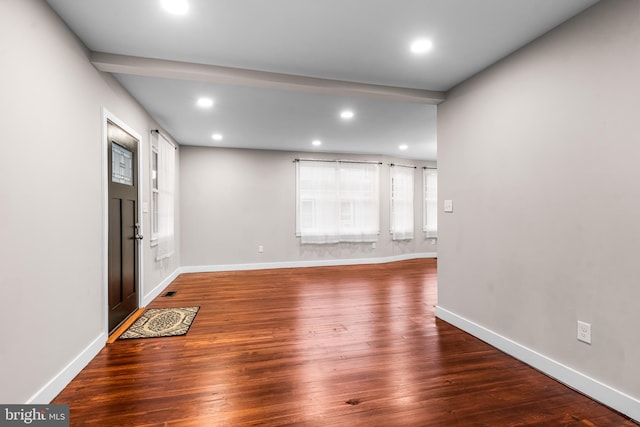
108, 116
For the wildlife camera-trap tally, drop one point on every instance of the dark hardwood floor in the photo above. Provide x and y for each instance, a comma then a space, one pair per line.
328, 346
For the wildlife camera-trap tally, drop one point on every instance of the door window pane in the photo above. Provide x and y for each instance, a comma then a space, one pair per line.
121, 165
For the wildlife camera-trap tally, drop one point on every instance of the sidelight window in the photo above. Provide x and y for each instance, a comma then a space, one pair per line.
162, 195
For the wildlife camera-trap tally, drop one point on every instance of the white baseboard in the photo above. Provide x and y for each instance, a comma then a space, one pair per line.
51, 389
160, 287
302, 264
596, 390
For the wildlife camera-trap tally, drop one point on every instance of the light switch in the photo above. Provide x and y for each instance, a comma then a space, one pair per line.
448, 205
145, 207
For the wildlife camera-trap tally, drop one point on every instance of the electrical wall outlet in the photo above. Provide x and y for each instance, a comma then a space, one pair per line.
260, 249
584, 332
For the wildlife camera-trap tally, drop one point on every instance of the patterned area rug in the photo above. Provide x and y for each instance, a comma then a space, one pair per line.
162, 322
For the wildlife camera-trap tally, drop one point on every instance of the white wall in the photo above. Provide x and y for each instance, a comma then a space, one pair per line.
51, 201
234, 200
540, 156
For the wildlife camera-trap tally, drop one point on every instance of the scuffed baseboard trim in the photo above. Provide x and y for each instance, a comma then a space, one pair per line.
596, 390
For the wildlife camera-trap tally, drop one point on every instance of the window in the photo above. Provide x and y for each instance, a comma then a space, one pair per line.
121, 165
337, 201
431, 202
162, 194
154, 194
402, 202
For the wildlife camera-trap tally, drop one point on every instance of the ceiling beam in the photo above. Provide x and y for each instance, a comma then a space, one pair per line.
139, 66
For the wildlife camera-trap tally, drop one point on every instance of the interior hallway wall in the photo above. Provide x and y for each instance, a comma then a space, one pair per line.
540, 155
234, 200
51, 200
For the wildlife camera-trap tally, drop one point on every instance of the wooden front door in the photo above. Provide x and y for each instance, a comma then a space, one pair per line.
124, 233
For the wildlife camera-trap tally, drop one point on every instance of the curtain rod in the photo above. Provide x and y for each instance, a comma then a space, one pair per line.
403, 166
337, 161
429, 167
175, 147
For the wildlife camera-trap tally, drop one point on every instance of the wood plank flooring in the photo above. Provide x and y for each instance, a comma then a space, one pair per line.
327, 346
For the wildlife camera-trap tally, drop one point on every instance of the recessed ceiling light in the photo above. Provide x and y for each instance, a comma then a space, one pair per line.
316, 143
403, 147
176, 7
217, 137
347, 114
421, 46
205, 102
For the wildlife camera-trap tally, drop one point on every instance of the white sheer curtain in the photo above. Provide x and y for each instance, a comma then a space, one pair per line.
166, 183
431, 202
402, 202
337, 202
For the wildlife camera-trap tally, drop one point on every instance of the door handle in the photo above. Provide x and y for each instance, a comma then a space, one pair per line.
138, 235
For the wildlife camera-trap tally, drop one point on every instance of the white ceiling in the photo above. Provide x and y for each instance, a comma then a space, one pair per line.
361, 41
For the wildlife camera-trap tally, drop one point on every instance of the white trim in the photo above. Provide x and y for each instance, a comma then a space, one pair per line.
160, 287
302, 264
105, 222
107, 115
273, 265
596, 390
52, 388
